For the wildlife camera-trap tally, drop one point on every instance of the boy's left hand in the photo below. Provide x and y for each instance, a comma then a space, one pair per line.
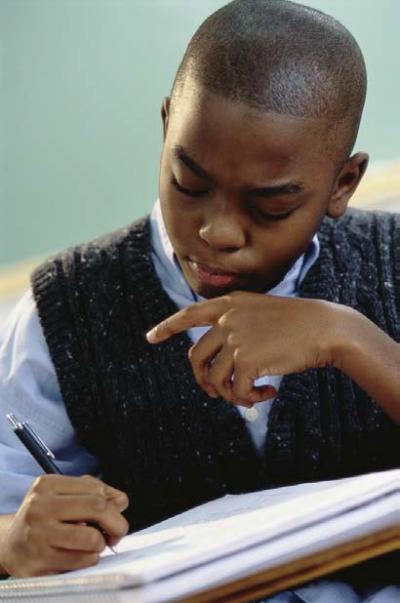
253, 335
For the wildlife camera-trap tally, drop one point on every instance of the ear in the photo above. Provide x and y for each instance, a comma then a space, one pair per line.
346, 183
165, 114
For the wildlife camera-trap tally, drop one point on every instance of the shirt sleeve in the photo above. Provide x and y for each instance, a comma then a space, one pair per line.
29, 389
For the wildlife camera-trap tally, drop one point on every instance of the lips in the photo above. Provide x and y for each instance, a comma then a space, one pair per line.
213, 276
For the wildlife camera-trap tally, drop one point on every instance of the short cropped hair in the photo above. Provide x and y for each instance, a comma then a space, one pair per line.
284, 57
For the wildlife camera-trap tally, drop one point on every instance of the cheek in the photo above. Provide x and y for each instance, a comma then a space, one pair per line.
180, 225
279, 246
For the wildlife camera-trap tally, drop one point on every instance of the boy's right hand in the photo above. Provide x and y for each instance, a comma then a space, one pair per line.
48, 533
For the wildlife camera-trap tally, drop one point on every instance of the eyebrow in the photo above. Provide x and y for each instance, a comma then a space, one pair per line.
181, 154
287, 188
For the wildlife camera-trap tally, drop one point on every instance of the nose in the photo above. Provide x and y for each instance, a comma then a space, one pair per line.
222, 228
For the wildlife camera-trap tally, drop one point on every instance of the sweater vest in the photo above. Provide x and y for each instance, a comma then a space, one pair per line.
138, 408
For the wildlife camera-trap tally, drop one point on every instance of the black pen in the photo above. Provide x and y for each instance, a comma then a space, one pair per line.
41, 453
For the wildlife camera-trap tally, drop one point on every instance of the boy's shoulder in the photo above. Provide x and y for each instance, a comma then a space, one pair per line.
139, 230
364, 231
359, 255
360, 222
106, 247
97, 267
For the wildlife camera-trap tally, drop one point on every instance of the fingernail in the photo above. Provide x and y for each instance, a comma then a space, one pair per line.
151, 336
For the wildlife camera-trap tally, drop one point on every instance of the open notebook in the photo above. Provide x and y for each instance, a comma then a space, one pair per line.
238, 547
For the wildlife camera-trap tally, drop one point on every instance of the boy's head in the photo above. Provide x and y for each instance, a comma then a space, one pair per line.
262, 118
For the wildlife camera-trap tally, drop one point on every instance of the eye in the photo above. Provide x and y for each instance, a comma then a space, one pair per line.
188, 191
272, 217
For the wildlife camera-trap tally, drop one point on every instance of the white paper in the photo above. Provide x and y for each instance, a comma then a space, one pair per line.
237, 535
234, 522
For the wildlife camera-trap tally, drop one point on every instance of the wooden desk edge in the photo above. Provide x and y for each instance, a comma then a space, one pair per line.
299, 571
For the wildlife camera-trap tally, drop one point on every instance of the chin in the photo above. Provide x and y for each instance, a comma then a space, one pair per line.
211, 292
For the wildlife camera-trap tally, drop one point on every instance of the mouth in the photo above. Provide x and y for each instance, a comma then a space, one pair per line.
209, 275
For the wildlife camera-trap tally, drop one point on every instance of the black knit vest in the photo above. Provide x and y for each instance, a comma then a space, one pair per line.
158, 436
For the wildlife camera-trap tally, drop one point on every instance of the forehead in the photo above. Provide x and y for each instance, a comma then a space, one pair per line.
233, 139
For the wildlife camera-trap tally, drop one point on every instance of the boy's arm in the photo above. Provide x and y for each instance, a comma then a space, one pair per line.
46, 533
371, 358
253, 335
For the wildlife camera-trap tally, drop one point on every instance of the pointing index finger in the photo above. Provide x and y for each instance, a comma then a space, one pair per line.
195, 315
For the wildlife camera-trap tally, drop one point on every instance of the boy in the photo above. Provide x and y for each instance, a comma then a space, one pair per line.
258, 134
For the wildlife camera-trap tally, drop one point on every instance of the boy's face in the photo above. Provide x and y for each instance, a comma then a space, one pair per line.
243, 192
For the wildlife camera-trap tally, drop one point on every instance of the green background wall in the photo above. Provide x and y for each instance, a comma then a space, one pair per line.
81, 87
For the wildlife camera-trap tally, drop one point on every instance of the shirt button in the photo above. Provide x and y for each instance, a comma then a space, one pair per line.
251, 414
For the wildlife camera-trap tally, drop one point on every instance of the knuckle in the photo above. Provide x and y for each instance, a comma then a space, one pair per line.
120, 527
124, 527
223, 321
231, 299
94, 483
98, 502
95, 541
228, 299
194, 356
34, 508
89, 478
123, 501
40, 484
232, 341
240, 358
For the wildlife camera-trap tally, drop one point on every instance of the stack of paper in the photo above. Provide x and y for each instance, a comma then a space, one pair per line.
240, 544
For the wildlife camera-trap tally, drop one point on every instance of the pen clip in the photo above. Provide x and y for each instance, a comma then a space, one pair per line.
18, 426
14, 421
38, 439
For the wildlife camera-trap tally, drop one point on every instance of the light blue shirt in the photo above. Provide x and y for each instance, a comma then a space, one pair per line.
29, 388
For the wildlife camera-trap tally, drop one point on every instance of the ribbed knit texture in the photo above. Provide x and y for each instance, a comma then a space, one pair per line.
138, 408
